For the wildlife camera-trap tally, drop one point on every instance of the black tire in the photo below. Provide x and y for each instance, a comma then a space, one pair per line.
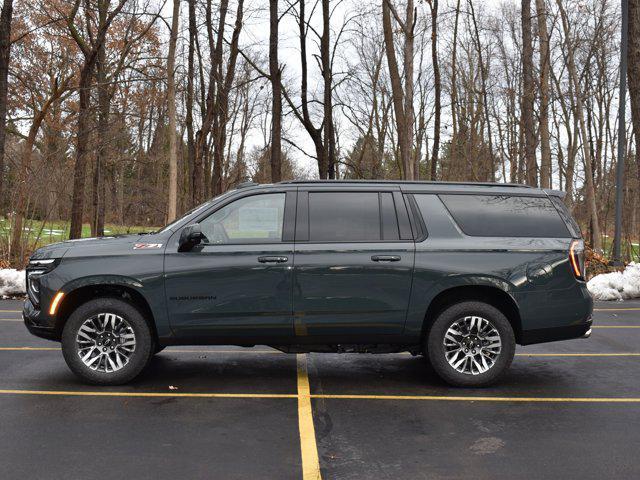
138, 359
435, 349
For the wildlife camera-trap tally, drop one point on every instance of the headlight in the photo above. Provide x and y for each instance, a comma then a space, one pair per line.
35, 270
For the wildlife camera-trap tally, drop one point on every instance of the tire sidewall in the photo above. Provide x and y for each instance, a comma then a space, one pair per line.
436, 353
139, 358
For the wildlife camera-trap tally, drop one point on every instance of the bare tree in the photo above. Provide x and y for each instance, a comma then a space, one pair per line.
172, 200
633, 77
5, 46
402, 97
89, 44
528, 95
438, 88
545, 65
275, 77
579, 113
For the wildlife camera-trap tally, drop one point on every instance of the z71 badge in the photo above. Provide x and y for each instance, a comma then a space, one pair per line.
142, 246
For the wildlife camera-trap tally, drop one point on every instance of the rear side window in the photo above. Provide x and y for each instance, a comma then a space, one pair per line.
344, 217
506, 216
572, 225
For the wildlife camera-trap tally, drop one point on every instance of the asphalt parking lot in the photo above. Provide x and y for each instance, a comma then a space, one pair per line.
566, 410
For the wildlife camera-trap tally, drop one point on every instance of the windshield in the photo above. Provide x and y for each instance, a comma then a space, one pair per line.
194, 211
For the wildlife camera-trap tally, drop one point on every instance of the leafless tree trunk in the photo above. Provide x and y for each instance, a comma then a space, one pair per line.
276, 94
437, 87
327, 75
314, 132
172, 199
483, 77
454, 85
633, 77
191, 151
222, 101
104, 100
528, 95
545, 61
5, 47
402, 98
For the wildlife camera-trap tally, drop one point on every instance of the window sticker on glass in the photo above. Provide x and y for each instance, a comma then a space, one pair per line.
258, 219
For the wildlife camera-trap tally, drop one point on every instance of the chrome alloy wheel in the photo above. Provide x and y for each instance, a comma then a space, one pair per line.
472, 345
105, 342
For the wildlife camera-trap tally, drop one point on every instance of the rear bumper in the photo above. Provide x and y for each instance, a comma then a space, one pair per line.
555, 334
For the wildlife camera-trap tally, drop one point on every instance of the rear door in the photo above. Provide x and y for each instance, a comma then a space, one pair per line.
354, 262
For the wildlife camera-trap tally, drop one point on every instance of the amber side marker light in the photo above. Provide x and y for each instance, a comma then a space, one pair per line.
55, 302
575, 261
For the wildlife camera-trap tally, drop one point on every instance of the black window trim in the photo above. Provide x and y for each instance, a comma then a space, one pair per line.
417, 221
302, 217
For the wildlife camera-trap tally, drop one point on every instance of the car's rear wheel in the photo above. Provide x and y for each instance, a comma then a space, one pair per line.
106, 341
470, 344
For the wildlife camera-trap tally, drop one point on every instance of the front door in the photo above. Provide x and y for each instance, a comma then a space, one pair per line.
354, 264
238, 282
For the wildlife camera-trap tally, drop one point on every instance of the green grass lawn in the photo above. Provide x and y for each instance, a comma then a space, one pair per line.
607, 245
44, 233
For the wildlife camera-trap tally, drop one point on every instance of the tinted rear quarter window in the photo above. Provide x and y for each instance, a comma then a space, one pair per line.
344, 217
506, 216
572, 225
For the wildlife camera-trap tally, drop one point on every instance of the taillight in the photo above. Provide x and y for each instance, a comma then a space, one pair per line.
576, 258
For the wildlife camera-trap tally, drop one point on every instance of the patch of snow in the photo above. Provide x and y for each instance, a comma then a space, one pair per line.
616, 285
11, 282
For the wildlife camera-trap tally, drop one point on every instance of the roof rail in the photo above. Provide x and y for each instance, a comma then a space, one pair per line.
413, 182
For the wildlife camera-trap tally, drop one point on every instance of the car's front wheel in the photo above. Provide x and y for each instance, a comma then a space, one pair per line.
106, 341
470, 344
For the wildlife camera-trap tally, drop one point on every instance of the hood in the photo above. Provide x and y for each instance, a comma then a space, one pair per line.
98, 244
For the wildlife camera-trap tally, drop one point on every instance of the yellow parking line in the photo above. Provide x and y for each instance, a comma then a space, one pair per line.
616, 309
147, 394
616, 326
631, 354
481, 399
10, 320
311, 466
308, 447
27, 349
10, 311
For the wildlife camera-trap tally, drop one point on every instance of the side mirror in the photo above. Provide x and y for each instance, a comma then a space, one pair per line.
190, 236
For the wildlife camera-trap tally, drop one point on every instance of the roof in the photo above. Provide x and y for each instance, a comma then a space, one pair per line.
408, 182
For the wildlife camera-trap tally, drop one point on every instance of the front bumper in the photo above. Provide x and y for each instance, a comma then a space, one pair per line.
38, 323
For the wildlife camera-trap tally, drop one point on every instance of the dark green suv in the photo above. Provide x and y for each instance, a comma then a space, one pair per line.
458, 272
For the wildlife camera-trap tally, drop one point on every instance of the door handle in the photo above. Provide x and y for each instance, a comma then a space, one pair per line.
274, 259
385, 258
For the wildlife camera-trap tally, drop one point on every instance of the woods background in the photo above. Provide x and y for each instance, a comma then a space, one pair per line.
130, 112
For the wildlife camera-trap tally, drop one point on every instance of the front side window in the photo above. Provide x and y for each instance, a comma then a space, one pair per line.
254, 219
506, 216
344, 217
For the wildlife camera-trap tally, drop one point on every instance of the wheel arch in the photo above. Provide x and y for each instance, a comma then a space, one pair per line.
491, 295
125, 289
